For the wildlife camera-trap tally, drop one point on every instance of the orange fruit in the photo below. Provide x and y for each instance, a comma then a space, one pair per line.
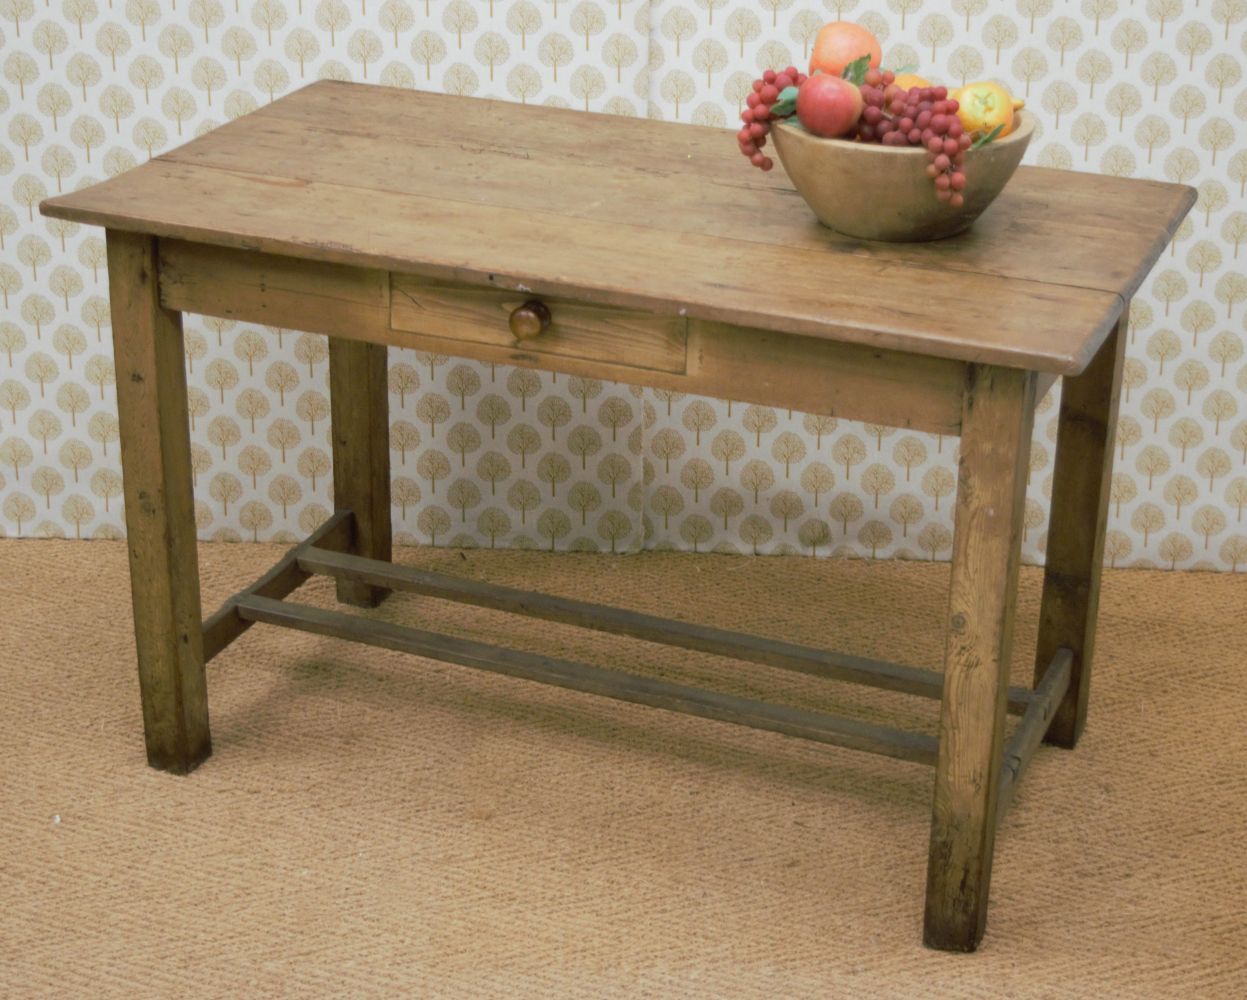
839, 43
907, 80
983, 106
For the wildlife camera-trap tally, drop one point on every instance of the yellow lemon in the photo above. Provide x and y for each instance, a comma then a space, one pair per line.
983, 106
907, 80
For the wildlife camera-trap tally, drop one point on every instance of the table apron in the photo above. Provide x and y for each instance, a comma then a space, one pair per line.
807, 374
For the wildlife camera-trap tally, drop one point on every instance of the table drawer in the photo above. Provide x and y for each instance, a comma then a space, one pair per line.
481, 315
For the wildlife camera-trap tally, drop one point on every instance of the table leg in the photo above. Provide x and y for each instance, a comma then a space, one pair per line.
360, 417
160, 507
1080, 487
997, 415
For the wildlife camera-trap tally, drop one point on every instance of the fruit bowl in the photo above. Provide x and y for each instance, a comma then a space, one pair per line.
874, 192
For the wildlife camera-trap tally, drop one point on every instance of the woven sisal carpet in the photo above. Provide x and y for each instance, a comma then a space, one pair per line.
374, 824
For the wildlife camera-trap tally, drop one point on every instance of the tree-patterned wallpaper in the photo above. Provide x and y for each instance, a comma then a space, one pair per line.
497, 456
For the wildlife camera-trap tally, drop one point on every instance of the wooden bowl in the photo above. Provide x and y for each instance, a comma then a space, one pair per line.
875, 192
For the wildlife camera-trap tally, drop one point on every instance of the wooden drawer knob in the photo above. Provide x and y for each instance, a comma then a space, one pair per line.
530, 320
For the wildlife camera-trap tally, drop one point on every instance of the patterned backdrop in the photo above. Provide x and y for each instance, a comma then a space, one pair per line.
484, 455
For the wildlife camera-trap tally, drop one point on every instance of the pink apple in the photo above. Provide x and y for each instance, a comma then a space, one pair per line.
828, 105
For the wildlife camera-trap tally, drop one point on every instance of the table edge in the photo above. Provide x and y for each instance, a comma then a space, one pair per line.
1066, 363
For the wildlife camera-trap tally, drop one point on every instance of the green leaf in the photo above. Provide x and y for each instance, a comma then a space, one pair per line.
983, 140
786, 104
855, 72
783, 109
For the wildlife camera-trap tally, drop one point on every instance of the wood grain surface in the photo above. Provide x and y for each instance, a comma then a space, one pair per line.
225, 625
849, 381
645, 215
577, 329
1075, 555
160, 508
817, 726
359, 427
620, 621
991, 488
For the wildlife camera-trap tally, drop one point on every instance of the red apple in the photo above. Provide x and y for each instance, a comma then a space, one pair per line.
828, 105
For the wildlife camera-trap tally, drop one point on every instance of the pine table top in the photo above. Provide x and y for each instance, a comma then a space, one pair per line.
644, 214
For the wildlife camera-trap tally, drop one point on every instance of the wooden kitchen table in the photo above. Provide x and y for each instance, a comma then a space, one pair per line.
649, 253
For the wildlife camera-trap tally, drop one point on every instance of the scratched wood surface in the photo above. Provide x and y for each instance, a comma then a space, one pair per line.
982, 599
644, 215
160, 512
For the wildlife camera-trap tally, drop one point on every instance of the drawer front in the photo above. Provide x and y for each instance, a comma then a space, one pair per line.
479, 315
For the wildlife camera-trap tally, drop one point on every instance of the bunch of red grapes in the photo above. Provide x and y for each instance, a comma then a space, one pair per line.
920, 116
757, 116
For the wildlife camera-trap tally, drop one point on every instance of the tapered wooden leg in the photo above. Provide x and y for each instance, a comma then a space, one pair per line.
995, 443
160, 507
1080, 487
360, 415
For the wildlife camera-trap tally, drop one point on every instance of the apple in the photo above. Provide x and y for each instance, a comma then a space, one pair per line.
828, 105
